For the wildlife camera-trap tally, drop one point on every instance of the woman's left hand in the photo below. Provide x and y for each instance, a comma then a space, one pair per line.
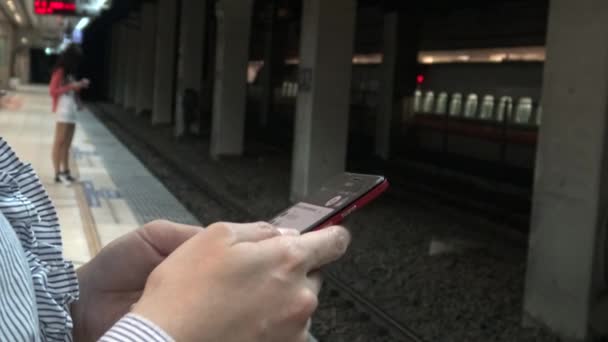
114, 280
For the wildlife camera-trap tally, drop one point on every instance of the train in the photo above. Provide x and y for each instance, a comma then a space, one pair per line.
477, 118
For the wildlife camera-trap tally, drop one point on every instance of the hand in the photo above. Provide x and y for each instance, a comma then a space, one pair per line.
77, 86
114, 280
235, 283
82, 84
85, 82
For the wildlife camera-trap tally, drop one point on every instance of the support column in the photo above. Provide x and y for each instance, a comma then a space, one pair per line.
192, 61
164, 74
398, 75
119, 87
132, 62
568, 235
230, 91
114, 56
270, 63
321, 131
147, 58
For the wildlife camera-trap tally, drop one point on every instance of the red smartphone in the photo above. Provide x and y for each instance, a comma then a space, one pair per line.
338, 198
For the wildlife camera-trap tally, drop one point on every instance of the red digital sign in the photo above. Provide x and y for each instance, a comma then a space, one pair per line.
50, 7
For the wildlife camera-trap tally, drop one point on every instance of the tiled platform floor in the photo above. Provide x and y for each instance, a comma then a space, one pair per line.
115, 195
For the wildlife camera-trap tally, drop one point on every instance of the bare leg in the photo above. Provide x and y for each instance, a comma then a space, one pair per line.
60, 129
69, 137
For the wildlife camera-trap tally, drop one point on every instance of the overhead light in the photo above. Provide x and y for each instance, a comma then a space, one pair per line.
84, 22
292, 61
18, 18
498, 58
48, 51
374, 58
24, 40
11, 5
94, 7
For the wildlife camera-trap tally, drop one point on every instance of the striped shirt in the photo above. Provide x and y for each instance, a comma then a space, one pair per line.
37, 285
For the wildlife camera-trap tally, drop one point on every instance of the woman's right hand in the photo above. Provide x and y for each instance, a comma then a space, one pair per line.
82, 84
237, 283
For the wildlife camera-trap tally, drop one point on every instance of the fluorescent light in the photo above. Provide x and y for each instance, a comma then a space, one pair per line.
24, 40
498, 58
18, 18
83, 23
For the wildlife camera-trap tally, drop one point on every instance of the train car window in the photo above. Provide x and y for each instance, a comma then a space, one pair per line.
505, 109
442, 104
417, 101
429, 102
470, 108
523, 113
456, 104
487, 108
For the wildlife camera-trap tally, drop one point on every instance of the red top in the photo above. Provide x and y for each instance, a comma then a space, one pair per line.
58, 88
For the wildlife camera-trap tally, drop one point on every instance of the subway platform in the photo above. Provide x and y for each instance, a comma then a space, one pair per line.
115, 193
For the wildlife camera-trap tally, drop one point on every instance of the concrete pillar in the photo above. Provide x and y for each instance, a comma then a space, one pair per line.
568, 235
133, 48
191, 52
127, 62
119, 95
114, 60
321, 132
146, 60
398, 75
230, 90
270, 63
164, 74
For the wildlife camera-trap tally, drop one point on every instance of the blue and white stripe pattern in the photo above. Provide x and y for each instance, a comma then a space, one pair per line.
18, 314
27, 208
133, 328
37, 286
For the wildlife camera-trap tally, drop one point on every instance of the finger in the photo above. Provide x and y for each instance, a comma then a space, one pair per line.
323, 247
251, 232
165, 236
314, 282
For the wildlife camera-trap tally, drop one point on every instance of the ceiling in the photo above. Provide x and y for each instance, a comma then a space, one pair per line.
44, 30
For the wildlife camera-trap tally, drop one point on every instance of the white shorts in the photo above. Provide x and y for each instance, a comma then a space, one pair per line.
67, 109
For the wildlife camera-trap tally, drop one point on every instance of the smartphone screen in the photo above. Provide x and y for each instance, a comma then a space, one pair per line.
336, 199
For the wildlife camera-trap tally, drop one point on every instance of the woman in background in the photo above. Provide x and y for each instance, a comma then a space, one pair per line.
64, 90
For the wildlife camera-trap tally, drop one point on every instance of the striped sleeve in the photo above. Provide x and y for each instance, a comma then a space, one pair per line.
18, 316
31, 217
134, 328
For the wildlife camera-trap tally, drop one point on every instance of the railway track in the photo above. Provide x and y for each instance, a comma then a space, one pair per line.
370, 313
394, 328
